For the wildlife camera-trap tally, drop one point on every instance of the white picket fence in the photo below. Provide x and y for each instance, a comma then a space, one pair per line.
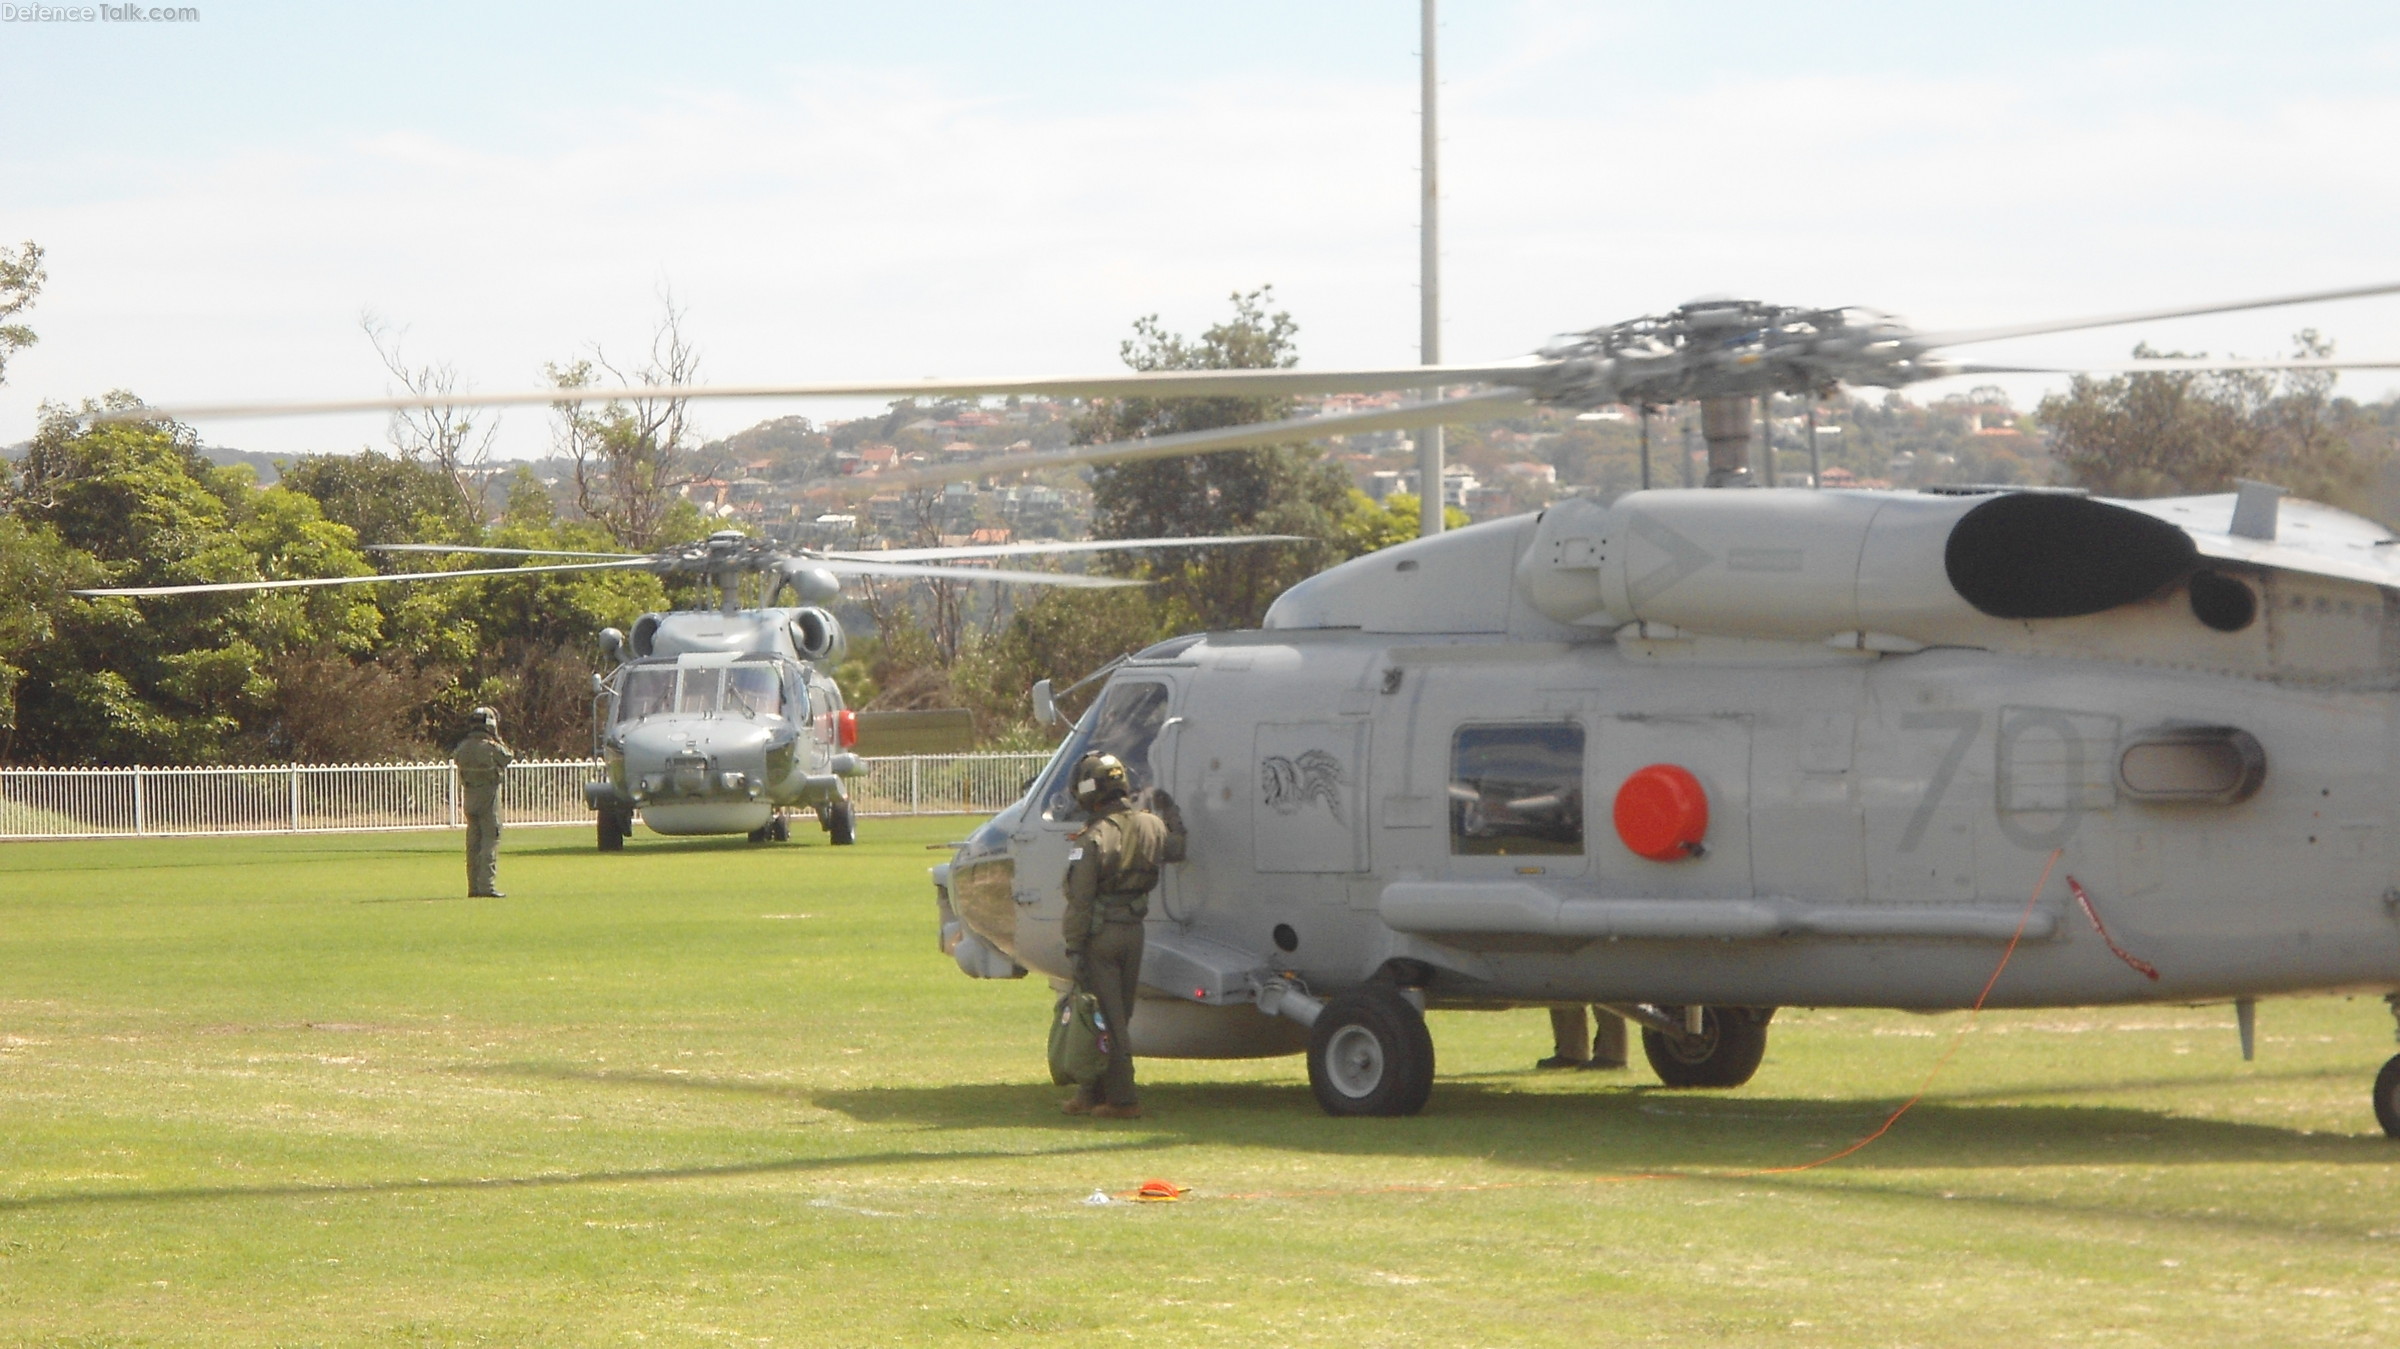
327, 798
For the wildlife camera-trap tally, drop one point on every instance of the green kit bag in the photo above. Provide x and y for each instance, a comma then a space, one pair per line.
1078, 1054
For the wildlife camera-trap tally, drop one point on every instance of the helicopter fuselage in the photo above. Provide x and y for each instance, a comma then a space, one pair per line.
1883, 815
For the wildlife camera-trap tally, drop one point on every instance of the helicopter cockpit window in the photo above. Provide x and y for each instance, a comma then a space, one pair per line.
1516, 789
645, 691
1124, 723
754, 689
699, 691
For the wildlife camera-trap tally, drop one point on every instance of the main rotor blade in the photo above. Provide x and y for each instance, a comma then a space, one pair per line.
312, 582
1133, 384
2176, 364
927, 571
1962, 336
1450, 412
490, 552
1083, 546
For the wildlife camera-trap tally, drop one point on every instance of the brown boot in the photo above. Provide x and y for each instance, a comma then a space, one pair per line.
1075, 1105
1116, 1112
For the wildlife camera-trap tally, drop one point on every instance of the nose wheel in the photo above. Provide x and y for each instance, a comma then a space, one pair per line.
841, 821
615, 827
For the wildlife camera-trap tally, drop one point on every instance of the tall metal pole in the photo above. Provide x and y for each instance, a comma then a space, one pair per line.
1645, 447
1816, 465
1429, 293
1766, 438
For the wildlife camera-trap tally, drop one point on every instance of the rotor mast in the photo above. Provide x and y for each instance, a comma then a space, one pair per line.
1429, 288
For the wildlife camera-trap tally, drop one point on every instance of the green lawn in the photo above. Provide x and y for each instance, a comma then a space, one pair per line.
296, 1091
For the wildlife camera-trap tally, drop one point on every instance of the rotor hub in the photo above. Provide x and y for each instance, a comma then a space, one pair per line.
1731, 349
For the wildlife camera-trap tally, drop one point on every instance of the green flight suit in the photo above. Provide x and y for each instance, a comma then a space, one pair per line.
480, 758
1112, 866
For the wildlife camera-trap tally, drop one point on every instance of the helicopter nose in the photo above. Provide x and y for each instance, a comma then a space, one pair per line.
719, 761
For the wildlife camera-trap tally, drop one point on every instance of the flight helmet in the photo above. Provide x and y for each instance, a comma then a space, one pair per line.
1098, 777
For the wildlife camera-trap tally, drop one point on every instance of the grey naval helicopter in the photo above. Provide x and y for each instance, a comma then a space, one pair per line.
725, 720
1697, 754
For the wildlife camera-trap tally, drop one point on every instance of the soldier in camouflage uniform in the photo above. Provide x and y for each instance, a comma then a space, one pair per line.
481, 757
1112, 865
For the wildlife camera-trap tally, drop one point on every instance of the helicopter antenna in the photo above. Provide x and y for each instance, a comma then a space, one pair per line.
1429, 288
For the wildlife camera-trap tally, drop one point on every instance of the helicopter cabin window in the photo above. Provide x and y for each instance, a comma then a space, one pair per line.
753, 689
1516, 789
1125, 722
645, 690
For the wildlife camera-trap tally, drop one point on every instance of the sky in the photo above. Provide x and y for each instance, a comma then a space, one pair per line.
846, 191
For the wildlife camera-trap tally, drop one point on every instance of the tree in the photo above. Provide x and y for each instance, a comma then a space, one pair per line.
21, 278
631, 458
383, 498
37, 569
1368, 527
1285, 489
2165, 433
444, 436
182, 679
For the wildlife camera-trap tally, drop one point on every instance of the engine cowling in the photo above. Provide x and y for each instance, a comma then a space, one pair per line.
1810, 565
817, 635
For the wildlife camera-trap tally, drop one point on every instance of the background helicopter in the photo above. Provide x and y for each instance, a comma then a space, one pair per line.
1842, 736
725, 720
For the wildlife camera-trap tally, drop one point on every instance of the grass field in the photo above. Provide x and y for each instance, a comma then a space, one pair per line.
295, 1091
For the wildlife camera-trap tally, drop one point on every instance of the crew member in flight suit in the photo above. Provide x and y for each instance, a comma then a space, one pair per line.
481, 757
1112, 866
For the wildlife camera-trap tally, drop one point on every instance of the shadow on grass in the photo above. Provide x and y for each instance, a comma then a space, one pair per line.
1642, 1128
2117, 1086
553, 1180
1607, 1130
165, 854
578, 842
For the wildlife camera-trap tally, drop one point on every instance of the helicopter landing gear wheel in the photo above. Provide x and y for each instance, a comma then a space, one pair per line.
841, 821
2387, 1097
614, 826
1369, 1054
1725, 1053
779, 829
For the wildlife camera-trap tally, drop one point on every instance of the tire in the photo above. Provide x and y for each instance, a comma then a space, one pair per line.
779, 829
2387, 1097
842, 823
1369, 1054
612, 834
1725, 1053
758, 835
